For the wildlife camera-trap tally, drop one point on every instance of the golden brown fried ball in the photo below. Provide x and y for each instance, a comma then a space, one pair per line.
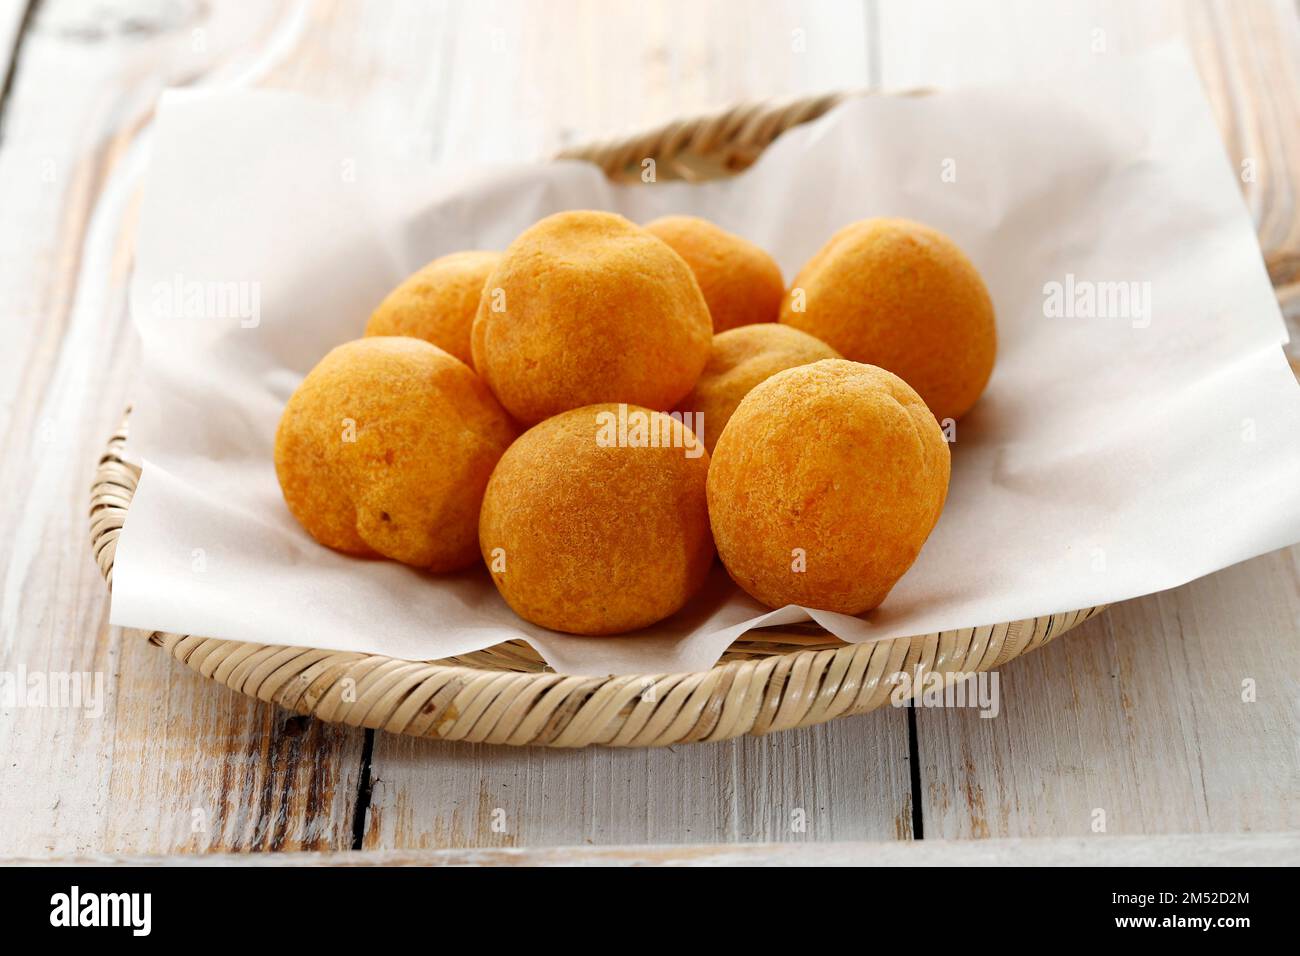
385, 449
740, 359
741, 283
586, 307
437, 303
825, 485
901, 295
589, 528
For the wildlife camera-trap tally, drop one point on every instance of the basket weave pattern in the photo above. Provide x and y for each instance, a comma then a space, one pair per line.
772, 679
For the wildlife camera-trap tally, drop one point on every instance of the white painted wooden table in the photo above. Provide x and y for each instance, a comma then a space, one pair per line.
1138, 713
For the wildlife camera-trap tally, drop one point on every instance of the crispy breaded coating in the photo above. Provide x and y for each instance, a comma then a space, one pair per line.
825, 485
438, 303
900, 295
385, 449
741, 283
589, 529
740, 359
586, 307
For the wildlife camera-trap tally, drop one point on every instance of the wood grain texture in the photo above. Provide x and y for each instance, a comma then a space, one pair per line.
1238, 849
1139, 713
1141, 722
846, 780
508, 84
1249, 58
168, 764
621, 67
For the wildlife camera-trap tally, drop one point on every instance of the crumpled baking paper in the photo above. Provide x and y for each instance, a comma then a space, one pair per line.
1141, 429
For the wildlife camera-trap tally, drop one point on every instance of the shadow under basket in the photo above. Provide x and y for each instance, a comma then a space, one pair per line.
772, 679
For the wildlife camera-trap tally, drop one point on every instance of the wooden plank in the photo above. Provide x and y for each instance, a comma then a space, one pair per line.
172, 761
536, 89
1245, 849
1136, 722
847, 780
170, 744
944, 43
147, 771
1138, 715
1249, 58
505, 82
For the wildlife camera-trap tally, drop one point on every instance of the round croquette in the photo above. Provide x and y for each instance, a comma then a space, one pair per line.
595, 521
586, 307
741, 283
825, 485
385, 449
900, 295
438, 303
740, 359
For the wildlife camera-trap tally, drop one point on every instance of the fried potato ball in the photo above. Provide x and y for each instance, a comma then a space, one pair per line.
595, 521
900, 295
741, 283
740, 359
825, 485
437, 303
586, 307
385, 449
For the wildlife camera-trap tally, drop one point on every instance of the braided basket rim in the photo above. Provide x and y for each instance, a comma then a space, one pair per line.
773, 679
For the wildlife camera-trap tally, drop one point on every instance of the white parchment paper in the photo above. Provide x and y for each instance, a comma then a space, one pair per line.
1112, 456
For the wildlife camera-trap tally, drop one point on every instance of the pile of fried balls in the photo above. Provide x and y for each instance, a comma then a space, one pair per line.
596, 410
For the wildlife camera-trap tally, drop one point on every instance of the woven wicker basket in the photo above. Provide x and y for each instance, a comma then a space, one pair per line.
773, 679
